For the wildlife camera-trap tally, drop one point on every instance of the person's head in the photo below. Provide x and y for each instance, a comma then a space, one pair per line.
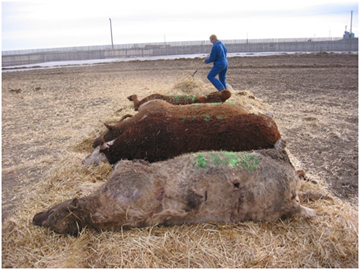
213, 38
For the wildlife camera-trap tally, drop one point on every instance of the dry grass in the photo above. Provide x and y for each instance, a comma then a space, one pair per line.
189, 85
328, 240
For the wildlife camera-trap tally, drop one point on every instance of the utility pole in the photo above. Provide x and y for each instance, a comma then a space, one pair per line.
112, 43
351, 23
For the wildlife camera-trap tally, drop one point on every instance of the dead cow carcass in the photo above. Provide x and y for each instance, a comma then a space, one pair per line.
193, 188
218, 96
156, 106
160, 136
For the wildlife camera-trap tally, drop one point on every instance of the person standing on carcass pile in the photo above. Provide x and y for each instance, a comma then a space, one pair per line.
218, 57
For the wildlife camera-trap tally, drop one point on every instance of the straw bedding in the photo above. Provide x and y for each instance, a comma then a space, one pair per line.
328, 240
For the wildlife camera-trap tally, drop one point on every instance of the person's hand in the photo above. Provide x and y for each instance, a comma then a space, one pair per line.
204, 61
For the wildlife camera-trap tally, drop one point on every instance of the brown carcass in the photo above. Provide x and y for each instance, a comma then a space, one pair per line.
218, 96
200, 187
156, 106
161, 136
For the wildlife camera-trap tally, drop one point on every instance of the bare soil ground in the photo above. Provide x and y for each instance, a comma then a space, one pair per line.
315, 102
51, 116
313, 98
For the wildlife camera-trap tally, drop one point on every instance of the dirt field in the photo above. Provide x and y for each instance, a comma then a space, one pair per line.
313, 98
50, 117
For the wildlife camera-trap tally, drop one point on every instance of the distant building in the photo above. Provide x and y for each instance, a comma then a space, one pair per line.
347, 35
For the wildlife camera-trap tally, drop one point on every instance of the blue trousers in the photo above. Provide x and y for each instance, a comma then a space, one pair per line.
220, 70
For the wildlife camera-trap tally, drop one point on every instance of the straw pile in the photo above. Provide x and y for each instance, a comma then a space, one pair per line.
328, 240
189, 85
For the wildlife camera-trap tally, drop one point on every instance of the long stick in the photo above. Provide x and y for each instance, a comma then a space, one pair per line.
199, 66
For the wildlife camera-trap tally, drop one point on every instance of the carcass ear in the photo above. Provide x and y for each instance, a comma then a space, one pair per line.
109, 126
106, 145
39, 218
74, 203
125, 116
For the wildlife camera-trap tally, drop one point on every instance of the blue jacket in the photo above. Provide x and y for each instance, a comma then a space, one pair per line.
218, 54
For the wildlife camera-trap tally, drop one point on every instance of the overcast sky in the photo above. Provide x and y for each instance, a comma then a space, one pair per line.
60, 23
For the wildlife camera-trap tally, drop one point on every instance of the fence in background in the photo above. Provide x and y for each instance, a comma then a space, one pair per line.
25, 57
